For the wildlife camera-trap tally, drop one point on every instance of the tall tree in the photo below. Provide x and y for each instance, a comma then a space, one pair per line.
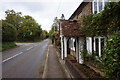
30, 30
8, 32
63, 17
14, 18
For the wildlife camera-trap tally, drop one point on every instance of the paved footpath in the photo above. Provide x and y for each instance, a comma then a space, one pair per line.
53, 68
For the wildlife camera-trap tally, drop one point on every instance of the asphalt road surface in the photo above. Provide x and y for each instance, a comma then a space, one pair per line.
26, 61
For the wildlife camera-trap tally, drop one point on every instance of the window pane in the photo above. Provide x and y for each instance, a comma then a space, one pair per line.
95, 7
97, 46
102, 46
100, 6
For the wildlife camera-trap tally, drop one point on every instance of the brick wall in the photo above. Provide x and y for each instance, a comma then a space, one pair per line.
86, 10
75, 18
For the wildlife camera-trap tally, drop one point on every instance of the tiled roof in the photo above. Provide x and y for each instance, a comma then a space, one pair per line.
70, 28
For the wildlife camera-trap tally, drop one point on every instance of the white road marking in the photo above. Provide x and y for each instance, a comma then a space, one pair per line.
29, 48
45, 69
35, 45
11, 57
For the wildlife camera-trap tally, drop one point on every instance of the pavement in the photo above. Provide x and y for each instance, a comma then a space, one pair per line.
54, 66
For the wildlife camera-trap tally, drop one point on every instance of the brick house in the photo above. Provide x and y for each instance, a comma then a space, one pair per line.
72, 40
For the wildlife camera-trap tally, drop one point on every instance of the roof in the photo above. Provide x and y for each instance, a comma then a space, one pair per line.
70, 28
78, 10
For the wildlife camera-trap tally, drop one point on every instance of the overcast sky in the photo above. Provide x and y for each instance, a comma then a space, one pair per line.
43, 11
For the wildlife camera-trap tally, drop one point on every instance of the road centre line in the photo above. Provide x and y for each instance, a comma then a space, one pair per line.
29, 48
15, 55
35, 45
11, 57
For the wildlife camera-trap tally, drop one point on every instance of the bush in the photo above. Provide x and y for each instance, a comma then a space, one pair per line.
8, 32
52, 37
111, 58
88, 56
58, 43
8, 45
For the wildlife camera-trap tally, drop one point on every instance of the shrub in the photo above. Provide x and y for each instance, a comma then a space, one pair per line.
58, 42
111, 58
8, 32
8, 45
52, 37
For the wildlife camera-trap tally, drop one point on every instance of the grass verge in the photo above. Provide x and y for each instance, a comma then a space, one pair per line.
8, 45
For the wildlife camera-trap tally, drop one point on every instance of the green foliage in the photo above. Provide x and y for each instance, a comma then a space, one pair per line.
102, 23
54, 28
111, 17
0, 35
27, 29
55, 25
44, 34
58, 43
30, 30
14, 18
8, 45
50, 34
53, 37
8, 32
88, 56
0, 30
111, 58
106, 23
63, 17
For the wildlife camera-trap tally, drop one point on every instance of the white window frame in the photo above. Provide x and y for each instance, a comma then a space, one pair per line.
99, 42
103, 5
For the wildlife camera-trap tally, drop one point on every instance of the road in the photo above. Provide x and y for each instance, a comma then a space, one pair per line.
25, 61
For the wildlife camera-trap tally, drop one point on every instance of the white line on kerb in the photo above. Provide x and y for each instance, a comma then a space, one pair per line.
45, 69
11, 57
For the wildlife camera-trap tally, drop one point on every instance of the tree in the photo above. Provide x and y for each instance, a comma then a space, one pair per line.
55, 27
30, 30
27, 29
8, 32
44, 34
14, 18
63, 17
